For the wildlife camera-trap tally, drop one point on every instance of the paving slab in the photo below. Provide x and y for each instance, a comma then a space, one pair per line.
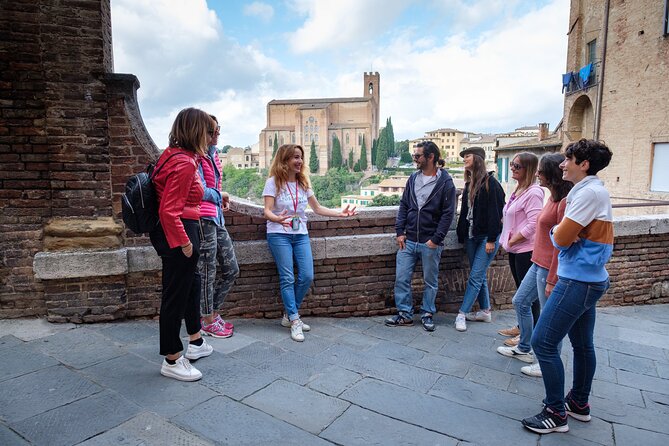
437, 414
257, 353
382, 368
361, 427
294, 367
444, 365
30, 329
62, 426
305, 408
232, 377
10, 438
128, 332
643, 382
19, 361
43, 390
78, 348
631, 435
146, 429
396, 352
227, 422
333, 380
141, 382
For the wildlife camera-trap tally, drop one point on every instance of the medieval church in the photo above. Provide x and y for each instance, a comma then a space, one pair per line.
301, 121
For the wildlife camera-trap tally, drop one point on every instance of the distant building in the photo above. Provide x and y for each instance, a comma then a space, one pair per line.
617, 90
394, 185
544, 142
241, 158
448, 141
301, 121
486, 142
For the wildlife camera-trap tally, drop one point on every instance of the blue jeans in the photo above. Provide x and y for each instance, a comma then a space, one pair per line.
477, 285
531, 288
287, 248
570, 310
404, 266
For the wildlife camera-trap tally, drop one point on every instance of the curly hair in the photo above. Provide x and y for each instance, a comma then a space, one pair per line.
595, 152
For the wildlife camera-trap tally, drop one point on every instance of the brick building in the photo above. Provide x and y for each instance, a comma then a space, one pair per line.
617, 90
301, 121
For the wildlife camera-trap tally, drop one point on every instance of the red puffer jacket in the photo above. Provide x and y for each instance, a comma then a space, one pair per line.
179, 192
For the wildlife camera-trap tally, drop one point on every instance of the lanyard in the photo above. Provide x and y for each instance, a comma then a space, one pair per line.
294, 200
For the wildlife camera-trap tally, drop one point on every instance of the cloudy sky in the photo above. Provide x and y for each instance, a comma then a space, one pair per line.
475, 65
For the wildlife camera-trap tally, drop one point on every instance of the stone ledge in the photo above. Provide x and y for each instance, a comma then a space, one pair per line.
65, 265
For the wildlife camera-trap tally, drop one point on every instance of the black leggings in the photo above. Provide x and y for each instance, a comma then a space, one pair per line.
520, 264
181, 288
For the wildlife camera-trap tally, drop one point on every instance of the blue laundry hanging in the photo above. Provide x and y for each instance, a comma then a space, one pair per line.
566, 80
584, 75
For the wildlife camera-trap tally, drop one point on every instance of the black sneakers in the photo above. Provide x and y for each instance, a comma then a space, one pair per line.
575, 410
399, 321
546, 422
428, 323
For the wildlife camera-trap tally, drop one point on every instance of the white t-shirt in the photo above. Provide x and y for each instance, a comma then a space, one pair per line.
285, 200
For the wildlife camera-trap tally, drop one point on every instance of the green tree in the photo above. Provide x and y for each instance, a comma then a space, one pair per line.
405, 157
244, 183
386, 200
337, 159
356, 167
313, 159
390, 133
350, 159
336, 182
226, 148
382, 150
375, 149
276, 145
362, 162
402, 147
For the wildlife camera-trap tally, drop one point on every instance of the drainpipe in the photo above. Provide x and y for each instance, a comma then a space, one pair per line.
600, 87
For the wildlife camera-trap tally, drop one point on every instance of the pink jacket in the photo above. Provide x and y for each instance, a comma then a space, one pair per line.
520, 215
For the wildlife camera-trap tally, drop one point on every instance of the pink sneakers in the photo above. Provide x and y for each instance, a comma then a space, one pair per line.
215, 329
224, 324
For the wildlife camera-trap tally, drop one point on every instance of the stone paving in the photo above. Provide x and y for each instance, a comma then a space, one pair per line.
352, 382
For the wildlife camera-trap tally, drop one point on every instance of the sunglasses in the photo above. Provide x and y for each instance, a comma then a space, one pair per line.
516, 166
416, 156
216, 130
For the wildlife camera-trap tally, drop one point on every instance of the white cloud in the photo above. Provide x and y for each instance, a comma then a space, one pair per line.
331, 24
263, 11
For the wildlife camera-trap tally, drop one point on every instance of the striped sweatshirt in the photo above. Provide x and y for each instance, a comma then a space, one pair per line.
585, 234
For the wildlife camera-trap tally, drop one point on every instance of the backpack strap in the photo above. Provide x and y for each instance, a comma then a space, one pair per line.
153, 173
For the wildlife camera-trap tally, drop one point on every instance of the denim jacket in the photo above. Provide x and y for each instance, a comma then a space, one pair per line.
432, 221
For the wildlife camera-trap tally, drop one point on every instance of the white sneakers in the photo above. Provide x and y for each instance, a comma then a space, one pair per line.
182, 370
532, 370
285, 322
460, 323
196, 352
515, 352
480, 316
296, 331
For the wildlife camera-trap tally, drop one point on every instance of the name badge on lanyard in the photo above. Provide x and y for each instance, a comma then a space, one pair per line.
295, 221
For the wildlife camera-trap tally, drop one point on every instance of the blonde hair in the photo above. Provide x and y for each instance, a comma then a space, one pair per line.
530, 162
192, 130
279, 168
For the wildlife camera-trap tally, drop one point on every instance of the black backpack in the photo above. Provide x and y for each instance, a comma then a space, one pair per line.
138, 203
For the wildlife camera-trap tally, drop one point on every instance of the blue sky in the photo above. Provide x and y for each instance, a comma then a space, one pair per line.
476, 65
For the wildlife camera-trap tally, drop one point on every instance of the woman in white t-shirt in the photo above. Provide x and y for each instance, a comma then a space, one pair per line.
287, 193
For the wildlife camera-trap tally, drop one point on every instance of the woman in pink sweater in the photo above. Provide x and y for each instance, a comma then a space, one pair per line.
542, 275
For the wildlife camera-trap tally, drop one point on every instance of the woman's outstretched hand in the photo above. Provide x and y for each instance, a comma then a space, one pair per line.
348, 211
285, 219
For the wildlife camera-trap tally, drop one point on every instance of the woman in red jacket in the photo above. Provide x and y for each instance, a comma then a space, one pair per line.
177, 241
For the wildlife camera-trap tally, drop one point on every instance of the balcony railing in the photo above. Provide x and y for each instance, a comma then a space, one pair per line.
585, 77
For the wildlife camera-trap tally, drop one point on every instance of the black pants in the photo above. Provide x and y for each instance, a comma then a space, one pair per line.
520, 264
181, 288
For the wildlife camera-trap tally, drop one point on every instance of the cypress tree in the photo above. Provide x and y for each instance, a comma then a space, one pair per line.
276, 144
313, 159
337, 159
375, 148
350, 159
363, 156
382, 150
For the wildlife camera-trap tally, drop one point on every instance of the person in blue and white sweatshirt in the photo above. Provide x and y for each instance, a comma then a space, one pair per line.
584, 238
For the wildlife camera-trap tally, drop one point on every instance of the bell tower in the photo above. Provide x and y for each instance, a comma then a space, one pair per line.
372, 89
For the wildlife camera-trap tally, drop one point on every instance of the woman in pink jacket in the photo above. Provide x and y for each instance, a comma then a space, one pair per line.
520, 217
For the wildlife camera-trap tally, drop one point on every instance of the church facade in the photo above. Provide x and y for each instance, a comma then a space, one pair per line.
301, 121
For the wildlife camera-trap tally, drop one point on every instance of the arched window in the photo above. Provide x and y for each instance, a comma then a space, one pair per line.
371, 88
316, 137
281, 139
292, 138
360, 139
269, 141
347, 140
